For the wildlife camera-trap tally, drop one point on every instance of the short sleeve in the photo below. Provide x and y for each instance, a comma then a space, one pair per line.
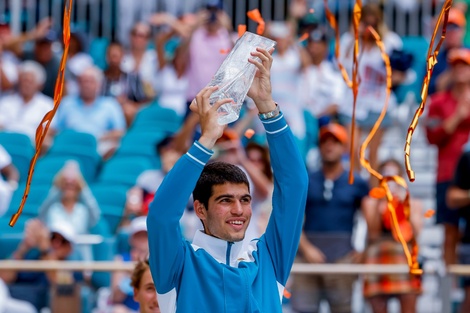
5, 158
10, 70
462, 172
117, 120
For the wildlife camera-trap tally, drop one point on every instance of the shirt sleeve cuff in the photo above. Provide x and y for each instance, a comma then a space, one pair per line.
275, 125
199, 153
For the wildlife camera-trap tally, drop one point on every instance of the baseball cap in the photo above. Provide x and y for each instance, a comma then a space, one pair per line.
459, 55
279, 29
138, 224
456, 17
336, 130
65, 230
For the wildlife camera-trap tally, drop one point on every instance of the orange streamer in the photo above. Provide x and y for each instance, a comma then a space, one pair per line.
43, 127
412, 256
249, 133
241, 30
224, 51
303, 37
431, 61
429, 213
255, 15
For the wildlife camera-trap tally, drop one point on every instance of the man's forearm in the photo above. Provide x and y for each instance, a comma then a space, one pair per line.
458, 198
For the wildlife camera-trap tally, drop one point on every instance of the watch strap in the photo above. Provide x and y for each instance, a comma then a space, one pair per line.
270, 114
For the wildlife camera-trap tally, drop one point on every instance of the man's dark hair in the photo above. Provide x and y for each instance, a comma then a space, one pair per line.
217, 173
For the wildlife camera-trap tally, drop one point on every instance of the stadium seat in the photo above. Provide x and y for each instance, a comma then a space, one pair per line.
107, 194
21, 150
9, 242
418, 47
48, 166
112, 214
141, 144
105, 251
156, 118
124, 170
97, 51
81, 146
37, 194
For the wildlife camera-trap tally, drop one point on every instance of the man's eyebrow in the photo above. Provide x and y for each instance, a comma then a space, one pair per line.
224, 196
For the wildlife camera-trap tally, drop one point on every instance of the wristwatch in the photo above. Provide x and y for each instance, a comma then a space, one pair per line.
270, 114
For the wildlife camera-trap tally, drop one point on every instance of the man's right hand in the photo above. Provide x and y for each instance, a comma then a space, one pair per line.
211, 130
313, 255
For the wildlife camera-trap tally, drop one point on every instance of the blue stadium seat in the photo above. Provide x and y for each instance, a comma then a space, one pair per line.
81, 146
112, 214
156, 118
141, 144
108, 194
36, 196
9, 242
21, 150
418, 47
105, 251
48, 166
124, 170
97, 51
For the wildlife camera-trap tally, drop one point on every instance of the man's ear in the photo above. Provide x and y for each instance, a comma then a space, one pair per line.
200, 210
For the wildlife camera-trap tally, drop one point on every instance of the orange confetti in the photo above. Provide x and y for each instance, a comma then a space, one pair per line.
287, 294
429, 213
431, 61
377, 193
241, 30
249, 133
43, 127
255, 15
303, 37
224, 51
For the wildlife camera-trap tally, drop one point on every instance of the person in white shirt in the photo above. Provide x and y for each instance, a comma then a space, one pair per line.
140, 59
10, 183
324, 87
22, 111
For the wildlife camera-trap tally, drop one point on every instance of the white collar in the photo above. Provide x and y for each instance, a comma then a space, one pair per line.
217, 248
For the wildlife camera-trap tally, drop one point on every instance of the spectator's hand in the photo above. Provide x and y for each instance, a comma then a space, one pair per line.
162, 18
134, 201
260, 90
44, 25
211, 130
298, 9
313, 255
36, 235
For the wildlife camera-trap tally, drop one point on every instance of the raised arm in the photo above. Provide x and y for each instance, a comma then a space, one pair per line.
165, 238
290, 175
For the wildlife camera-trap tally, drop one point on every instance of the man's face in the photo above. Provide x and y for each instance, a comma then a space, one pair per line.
146, 295
454, 36
61, 246
228, 213
43, 52
139, 246
331, 149
27, 84
89, 86
114, 56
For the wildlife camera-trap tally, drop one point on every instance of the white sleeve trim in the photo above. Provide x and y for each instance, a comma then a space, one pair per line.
280, 289
167, 301
277, 131
202, 149
272, 121
195, 159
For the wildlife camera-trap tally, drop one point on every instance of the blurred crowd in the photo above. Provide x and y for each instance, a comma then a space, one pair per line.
140, 98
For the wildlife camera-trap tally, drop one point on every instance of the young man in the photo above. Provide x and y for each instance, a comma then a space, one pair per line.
212, 274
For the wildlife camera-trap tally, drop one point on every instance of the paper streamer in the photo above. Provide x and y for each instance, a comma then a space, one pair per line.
430, 62
255, 15
412, 256
241, 30
43, 127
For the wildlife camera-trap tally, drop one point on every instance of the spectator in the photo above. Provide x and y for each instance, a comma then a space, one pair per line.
448, 128
70, 200
122, 292
8, 70
77, 61
9, 177
210, 37
44, 55
289, 59
324, 88
458, 198
11, 305
328, 226
91, 113
464, 6
144, 289
22, 111
127, 88
172, 79
372, 89
441, 77
41, 243
385, 248
140, 59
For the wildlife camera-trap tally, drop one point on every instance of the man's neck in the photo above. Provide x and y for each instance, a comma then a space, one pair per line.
89, 101
332, 170
317, 61
113, 72
27, 98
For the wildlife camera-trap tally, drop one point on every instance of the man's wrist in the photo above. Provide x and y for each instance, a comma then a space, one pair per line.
265, 106
207, 142
271, 114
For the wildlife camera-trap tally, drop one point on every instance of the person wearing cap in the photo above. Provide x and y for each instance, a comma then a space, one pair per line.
41, 243
332, 204
213, 273
122, 294
448, 129
455, 32
324, 88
